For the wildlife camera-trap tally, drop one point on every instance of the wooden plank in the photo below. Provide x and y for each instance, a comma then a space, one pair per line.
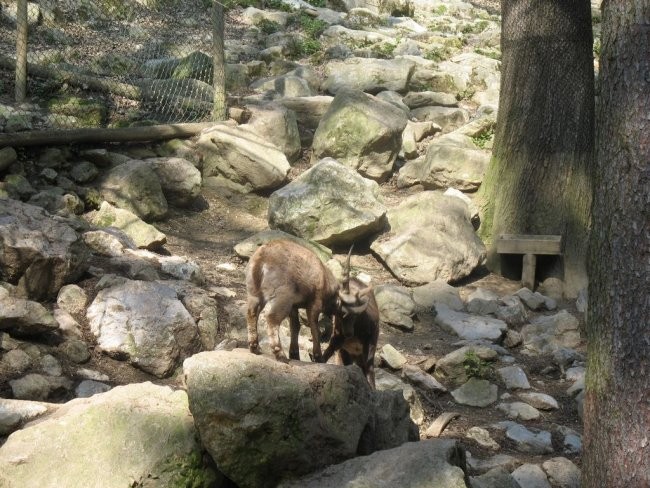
529, 244
528, 271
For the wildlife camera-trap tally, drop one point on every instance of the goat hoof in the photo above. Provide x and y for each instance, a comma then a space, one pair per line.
254, 348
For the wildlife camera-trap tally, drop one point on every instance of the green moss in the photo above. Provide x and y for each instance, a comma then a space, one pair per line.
482, 139
89, 113
188, 472
268, 26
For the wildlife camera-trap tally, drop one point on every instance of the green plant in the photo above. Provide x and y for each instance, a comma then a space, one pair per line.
312, 27
466, 94
305, 47
597, 48
279, 5
268, 26
440, 10
386, 49
489, 53
476, 27
482, 139
475, 367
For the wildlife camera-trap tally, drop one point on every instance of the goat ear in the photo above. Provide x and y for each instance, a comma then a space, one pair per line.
365, 292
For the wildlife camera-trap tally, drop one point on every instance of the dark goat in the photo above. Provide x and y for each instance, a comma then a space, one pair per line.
356, 326
288, 276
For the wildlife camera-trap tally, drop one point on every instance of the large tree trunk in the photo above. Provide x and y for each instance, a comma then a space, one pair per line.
617, 402
539, 179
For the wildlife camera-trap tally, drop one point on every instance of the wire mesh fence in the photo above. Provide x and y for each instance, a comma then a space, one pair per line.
110, 63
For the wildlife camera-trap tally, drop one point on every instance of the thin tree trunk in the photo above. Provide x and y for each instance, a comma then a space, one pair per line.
617, 402
539, 178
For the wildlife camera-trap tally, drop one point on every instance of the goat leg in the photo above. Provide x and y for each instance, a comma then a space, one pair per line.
294, 352
312, 317
252, 314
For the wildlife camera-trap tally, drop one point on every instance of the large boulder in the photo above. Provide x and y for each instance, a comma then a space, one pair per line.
242, 159
144, 322
452, 161
135, 435
134, 186
362, 132
330, 204
262, 420
277, 124
308, 111
38, 253
24, 317
369, 75
435, 463
179, 179
431, 237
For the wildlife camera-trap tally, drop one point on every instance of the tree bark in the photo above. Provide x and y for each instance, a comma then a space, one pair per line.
539, 178
617, 402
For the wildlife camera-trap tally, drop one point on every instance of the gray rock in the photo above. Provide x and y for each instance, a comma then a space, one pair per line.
519, 410
512, 311
277, 124
24, 317
361, 132
72, 299
38, 253
495, 478
476, 393
142, 234
368, 75
530, 441
546, 334
482, 438
247, 247
144, 322
16, 361
539, 400
134, 186
303, 416
50, 365
75, 350
429, 98
422, 379
386, 381
448, 118
180, 180
514, 378
245, 161
479, 306
148, 428
505, 461
18, 187
88, 388
392, 357
469, 327
534, 301
68, 326
451, 367
562, 472
83, 172
430, 238
109, 241
13, 413
330, 204
530, 476
57, 202
436, 463
309, 112
396, 306
39, 387
428, 296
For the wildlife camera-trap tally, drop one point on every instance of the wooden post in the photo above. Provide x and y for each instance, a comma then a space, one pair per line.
528, 271
218, 63
21, 51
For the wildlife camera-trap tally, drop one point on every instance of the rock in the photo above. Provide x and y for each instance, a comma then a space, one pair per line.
546, 334
562, 472
142, 234
495, 478
539, 400
451, 367
16, 361
552, 287
303, 416
385, 381
247, 247
504, 461
429, 98
277, 124
18, 187
530, 476
83, 172
512, 311
519, 410
476, 393
67, 323
330, 204
8, 156
38, 253
88, 388
534, 301
514, 378
51, 366
482, 438
147, 428
179, 179
368, 75
57, 202
392, 357
428, 296
245, 161
39, 387
479, 306
309, 112
430, 238
448, 118
145, 323
109, 241
134, 186
75, 350
72, 299
435, 463
534, 442
13, 413
362, 132
422, 379
25, 317
396, 307
469, 327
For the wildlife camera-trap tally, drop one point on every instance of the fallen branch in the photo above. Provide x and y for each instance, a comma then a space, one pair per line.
438, 425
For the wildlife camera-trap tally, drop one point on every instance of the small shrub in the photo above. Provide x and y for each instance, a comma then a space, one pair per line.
305, 47
481, 140
475, 367
597, 48
279, 5
489, 53
312, 27
268, 26
440, 10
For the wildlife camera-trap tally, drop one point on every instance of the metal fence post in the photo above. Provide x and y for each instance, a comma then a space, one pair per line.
21, 51
218, 63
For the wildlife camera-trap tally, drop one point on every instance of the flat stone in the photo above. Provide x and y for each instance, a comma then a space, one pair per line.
392, 356
422, 379
562, 473
538, 442
469, 326
504, 461
482, 438
530, 476
476, 393
519, 410
539, 400
514, 378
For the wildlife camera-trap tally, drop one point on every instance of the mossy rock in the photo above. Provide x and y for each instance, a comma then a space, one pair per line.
88, 113
196, 65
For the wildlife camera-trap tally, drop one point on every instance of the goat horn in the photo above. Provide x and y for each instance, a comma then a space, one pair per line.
346, 272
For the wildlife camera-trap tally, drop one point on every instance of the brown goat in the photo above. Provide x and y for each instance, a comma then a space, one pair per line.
356, 326
288, 276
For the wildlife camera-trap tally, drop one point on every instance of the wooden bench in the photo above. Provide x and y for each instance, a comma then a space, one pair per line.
530, 246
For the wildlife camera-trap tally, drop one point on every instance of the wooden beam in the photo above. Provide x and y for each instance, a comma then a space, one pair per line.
529, 244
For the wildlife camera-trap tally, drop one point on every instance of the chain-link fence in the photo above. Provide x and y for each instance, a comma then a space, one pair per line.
110, 63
